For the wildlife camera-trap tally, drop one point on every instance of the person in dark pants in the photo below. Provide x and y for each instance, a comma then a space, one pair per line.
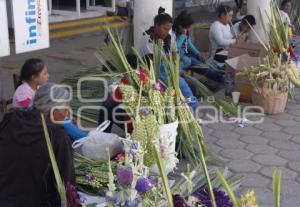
27, 177
239, 4
190, 56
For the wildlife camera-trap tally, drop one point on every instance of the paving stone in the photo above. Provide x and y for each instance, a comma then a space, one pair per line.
294, 112
248, 131
261, 149
290, 188
215, 148
297, 119
210, 139
236, 154
283, 116
286, 173
225, 135
268, 120
245, 166
264, 195
290, 155
267, 127
292, 130
272, 160
296, 139
257, 119
207, 131
221, 126
254, 140
254, 180
230, 144
284, 145
276, 135
286, 123
292, 105
291, 201
294, 165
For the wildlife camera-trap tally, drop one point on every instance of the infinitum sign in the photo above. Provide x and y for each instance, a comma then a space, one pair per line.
31, 25
4, 42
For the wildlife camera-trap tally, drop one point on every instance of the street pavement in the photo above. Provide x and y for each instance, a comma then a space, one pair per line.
257, 149
252, 152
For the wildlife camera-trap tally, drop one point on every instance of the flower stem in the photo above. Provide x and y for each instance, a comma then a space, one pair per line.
205, 170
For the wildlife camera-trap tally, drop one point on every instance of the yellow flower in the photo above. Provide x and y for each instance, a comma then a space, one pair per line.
249, 200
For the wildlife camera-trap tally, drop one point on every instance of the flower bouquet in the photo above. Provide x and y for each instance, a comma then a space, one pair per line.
132, 185
150, 107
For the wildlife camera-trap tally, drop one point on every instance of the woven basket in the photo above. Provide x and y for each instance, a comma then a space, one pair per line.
271, 103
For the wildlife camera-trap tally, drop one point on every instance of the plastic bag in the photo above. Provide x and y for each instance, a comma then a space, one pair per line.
94, 145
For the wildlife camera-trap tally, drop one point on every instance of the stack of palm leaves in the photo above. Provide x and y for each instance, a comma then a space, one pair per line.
279, 70
271, 77
91, 89
91, 175
190, 129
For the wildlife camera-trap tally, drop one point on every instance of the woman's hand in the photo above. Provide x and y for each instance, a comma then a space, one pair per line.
241, 38
202, 59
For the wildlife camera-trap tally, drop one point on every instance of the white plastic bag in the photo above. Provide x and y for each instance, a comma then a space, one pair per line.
94, 145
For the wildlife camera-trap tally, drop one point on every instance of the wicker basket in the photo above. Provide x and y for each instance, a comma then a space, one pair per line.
271, 103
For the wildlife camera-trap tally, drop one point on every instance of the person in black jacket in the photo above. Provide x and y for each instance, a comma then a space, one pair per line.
26, 174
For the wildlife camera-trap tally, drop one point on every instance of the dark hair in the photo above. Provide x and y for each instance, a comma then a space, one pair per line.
162, 17
31, 67
184, 20
284, 2
223, 9
249, 19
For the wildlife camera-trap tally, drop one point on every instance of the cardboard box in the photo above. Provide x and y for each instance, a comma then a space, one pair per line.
200, 37
252, 49
241, 82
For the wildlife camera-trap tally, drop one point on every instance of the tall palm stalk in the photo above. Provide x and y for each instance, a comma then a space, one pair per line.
60, 185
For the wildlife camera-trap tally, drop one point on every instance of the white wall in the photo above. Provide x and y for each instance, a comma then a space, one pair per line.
144, 13
254, 7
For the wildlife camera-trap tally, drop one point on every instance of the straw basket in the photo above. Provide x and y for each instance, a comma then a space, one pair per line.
270, 102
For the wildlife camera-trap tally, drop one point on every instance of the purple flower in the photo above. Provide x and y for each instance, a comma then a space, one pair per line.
222, 199
124, 176
144, 111
113, 198
143, 185
133, 203
179, 201
72, 195
63, 204
90, 177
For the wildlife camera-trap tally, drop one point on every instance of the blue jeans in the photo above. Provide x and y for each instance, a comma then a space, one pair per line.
187, 60
184, 87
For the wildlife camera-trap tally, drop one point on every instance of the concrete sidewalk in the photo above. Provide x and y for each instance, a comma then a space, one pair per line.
256, 150
64, 58
253, 151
